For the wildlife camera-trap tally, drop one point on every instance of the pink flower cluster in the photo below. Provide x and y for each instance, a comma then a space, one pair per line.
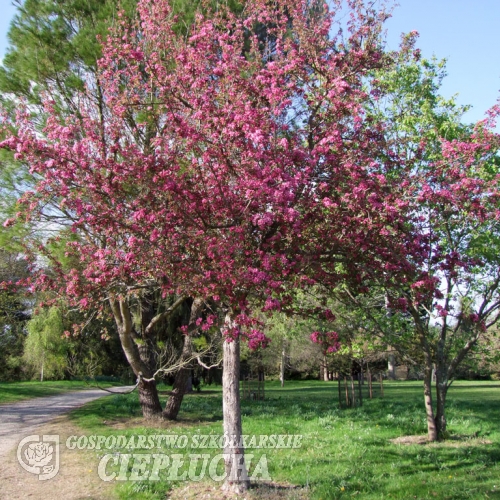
327, 340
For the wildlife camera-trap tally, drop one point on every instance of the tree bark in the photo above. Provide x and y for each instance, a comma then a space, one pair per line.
149, 399
441, 392
174, 401
234, 454
432, 432
325, 368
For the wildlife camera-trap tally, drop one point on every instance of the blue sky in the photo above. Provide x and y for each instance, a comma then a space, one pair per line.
462, 31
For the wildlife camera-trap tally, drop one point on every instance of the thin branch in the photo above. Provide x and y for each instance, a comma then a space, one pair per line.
164, 314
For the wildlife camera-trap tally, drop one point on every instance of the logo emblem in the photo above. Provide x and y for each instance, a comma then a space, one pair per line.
39, 455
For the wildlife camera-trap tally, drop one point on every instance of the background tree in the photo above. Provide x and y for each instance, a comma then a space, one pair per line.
15, 311
452, 295
45, 348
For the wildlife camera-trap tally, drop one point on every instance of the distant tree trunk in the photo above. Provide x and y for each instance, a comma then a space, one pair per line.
391, 365
234, 454
370, 386
381, 377
340, 392
325, 368
360, 389
283, 363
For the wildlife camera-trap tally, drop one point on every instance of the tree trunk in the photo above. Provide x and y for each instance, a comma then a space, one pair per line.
441, 392
148, 392
432, 432
370, 387
325, 369
234, 454
174, 401
391, 366
283, 362
149, 399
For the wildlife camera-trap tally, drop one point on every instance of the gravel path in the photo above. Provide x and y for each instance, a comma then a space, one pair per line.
18, 420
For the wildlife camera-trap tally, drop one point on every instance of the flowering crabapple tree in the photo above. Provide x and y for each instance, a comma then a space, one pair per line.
225, 165
455, 298
451, 296
329, 343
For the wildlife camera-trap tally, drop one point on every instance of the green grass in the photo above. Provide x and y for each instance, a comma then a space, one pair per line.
11, 392
344, 453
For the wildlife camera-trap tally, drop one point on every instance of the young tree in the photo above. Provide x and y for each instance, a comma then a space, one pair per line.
452, 294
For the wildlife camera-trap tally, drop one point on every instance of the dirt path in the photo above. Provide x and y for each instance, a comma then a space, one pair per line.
77, 478
18, 420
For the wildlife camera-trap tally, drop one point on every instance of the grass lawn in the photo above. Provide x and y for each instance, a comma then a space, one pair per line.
344, 453
11, 392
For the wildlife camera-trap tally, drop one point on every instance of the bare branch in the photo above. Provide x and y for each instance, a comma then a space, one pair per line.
164, 314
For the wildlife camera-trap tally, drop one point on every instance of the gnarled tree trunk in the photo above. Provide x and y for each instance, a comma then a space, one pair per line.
174, 401
148, 392
149, 399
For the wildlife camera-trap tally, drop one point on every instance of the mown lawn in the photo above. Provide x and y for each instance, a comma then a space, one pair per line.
344, 453
11, 392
